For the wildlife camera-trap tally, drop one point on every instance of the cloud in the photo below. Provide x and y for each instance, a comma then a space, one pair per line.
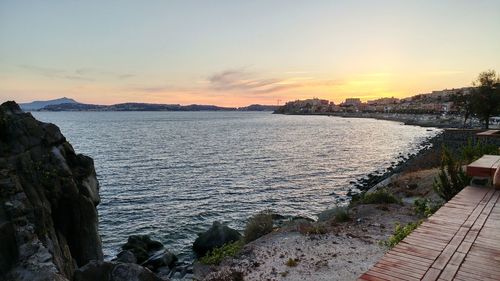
240, 83
79, 74
152, 89
44, 71
238, 80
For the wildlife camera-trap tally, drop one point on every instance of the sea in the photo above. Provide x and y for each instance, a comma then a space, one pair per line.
171, 174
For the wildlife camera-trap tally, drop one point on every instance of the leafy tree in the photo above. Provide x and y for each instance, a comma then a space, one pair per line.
486, 96
463, 102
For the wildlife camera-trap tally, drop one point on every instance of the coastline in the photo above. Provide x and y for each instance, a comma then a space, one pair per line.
343, 250
327, 249
422, 120
340, 251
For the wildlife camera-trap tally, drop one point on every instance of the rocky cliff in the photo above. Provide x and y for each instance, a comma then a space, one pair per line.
48, 199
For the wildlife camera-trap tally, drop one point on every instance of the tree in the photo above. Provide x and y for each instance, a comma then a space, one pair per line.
463, 103
486, 96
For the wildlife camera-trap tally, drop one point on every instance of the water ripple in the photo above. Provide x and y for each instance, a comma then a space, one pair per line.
170, 174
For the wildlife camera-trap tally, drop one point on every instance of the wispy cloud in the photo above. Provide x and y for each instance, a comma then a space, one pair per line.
44, 71
79, 74
238, 80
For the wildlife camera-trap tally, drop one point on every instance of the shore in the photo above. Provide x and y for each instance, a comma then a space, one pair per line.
341, 251
422, 120
337, 250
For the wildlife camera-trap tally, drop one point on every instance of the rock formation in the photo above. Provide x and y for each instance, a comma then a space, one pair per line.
216, 236
48, 199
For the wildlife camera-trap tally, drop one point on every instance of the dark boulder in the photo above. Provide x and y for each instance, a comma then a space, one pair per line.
159, 259
142, 246
111, 271
126, 257
216, 236
48, 199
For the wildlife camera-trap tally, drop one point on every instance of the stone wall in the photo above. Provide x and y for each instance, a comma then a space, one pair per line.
456, 138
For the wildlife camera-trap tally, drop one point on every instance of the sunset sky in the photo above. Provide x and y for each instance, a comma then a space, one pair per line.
235, 53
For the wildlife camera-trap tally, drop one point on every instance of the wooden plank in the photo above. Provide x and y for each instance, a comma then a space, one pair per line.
444, 257
432, 274
483, 166
400, 271
449, 272
405, 266
429, 244
468, 276
457, 258
409, 262
390, 275
479, 267
464, 247
482, 273
417, 251
399, 255
373, 276
367, 277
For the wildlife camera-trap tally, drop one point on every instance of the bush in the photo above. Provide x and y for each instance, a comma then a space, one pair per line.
342, 215
292, 262
381, 196
400, 232
218, 254
425, 207
472, 152
258, 226
338, 214
312, 229
451, 177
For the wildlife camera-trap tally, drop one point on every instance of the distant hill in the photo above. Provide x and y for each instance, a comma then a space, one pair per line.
133, 106
258, 107
36, 105
67, 104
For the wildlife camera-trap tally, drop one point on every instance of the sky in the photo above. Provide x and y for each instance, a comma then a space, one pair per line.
235, 53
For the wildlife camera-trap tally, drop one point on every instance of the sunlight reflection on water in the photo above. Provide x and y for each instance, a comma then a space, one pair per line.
170, 174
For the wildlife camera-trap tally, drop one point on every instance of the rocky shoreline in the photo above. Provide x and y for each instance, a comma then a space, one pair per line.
422, 120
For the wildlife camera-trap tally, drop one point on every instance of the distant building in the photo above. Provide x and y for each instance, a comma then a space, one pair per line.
383, 101
356, 102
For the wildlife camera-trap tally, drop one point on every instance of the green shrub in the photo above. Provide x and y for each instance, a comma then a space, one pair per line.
425, 207
451, 177
218, 254
292, 262
342, 215
381, 196
314, 229
472, 152
338, 214
258, 226
400, 232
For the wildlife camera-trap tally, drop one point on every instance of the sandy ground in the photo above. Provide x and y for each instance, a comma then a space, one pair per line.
343, 252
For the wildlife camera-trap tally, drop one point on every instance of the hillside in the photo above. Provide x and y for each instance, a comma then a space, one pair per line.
36, 105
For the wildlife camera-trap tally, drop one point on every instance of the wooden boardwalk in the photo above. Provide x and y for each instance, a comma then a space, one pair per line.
461, 241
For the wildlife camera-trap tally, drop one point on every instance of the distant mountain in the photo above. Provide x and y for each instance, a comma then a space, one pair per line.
132, 106
258, 107
36, 105
67, 104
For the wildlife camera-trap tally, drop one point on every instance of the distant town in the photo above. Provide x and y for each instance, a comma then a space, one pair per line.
436, 102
